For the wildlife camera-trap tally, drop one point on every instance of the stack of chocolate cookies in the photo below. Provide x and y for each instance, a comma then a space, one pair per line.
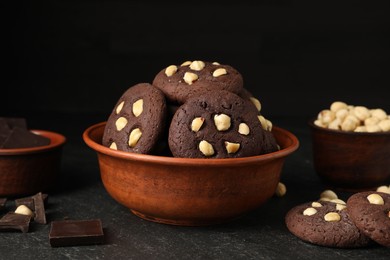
198, 109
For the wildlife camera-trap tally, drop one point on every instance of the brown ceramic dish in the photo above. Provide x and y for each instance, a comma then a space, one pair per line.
191, 192
351, 161
25, 171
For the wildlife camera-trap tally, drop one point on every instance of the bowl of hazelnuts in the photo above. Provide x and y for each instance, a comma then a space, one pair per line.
194, 148
351, 146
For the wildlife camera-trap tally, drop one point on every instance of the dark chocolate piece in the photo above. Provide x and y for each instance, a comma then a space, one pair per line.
14, 122
29, 201
4, 131
23, 138
2, 203
39, 209
76, 232
12, 221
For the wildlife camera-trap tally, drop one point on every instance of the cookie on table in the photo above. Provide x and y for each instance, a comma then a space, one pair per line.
137, 121
370, 211
179, 82
325, 223
216, 124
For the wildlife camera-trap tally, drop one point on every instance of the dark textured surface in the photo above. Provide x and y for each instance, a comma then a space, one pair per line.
261, 234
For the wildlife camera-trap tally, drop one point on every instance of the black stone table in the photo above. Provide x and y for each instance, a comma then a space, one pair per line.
260, 234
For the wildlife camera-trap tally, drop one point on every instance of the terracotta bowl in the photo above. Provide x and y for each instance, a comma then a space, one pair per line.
351, 161
25, 171
190, 192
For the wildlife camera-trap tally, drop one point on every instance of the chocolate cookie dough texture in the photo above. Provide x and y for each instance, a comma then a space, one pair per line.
341, 116
265, 123
180, 82
325, 223
217, 124
370, 212
137, 122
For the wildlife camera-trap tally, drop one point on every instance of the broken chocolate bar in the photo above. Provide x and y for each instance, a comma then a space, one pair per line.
23, 138
37, 204
14, 122
76, 233
4, 131
13, 221
39, 209
2, 203
29, 201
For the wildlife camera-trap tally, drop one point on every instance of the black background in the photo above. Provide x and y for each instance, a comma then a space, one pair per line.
296, 56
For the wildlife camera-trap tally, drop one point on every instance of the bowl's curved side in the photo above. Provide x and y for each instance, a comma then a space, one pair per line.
351, 161
183, 195
184, 191
26, 171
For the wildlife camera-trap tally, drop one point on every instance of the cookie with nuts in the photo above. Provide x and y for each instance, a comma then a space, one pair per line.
137, 121
325, 223
270, 142
216, 124
180, 82
370, 211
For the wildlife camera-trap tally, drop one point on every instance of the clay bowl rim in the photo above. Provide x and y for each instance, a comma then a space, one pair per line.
193, 162
342, 132
56, 140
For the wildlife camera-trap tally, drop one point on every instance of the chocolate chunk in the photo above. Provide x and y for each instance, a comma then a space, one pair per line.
23, 138
15, 221
2, 140
39, 209
4, 131
2, 203
12, 122
29, 201
76, 232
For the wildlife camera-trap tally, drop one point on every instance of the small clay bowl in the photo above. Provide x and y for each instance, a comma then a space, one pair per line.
26, 171
351, 161
188, 191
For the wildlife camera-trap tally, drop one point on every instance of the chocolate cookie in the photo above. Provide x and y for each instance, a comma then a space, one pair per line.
217, 124
137, 121
191, 78
370, 211
326, 224
270, 143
